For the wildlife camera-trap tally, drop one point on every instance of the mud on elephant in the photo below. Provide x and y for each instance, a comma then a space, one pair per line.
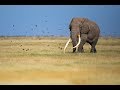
83, 30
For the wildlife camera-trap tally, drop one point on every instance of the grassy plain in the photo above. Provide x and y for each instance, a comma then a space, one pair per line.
40, 60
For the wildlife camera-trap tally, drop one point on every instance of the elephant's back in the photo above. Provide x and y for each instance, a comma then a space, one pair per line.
94, 28
76, 21
94, 25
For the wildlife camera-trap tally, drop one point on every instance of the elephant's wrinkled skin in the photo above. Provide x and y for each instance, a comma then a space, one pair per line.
88, 31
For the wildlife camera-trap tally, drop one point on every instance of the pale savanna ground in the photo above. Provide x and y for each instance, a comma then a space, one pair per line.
40, 60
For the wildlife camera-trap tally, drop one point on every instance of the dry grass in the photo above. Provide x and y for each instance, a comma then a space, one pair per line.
40, 60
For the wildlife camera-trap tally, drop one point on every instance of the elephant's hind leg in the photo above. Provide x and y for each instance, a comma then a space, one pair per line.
93, 49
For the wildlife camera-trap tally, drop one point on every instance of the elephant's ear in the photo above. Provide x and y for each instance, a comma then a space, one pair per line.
85, 28
70, 24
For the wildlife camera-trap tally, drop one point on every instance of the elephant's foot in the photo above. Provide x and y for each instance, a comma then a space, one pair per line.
93, 51
81, 51
74, 49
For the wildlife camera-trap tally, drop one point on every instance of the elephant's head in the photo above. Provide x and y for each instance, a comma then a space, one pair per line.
75, 28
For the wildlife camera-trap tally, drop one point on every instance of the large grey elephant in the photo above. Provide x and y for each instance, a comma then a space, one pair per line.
83, 30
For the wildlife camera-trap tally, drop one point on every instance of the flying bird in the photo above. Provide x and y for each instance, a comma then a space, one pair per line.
36, 25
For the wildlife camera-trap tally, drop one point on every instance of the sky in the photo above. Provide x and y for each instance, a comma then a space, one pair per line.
47, 20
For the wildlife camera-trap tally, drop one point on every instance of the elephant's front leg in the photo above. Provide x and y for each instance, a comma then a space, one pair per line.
74, 49
83, 41
80, 48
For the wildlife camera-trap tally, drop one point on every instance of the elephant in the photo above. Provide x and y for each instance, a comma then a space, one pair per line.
83, 30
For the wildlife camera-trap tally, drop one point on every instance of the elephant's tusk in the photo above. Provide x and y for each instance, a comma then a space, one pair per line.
78, 42
66, 44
